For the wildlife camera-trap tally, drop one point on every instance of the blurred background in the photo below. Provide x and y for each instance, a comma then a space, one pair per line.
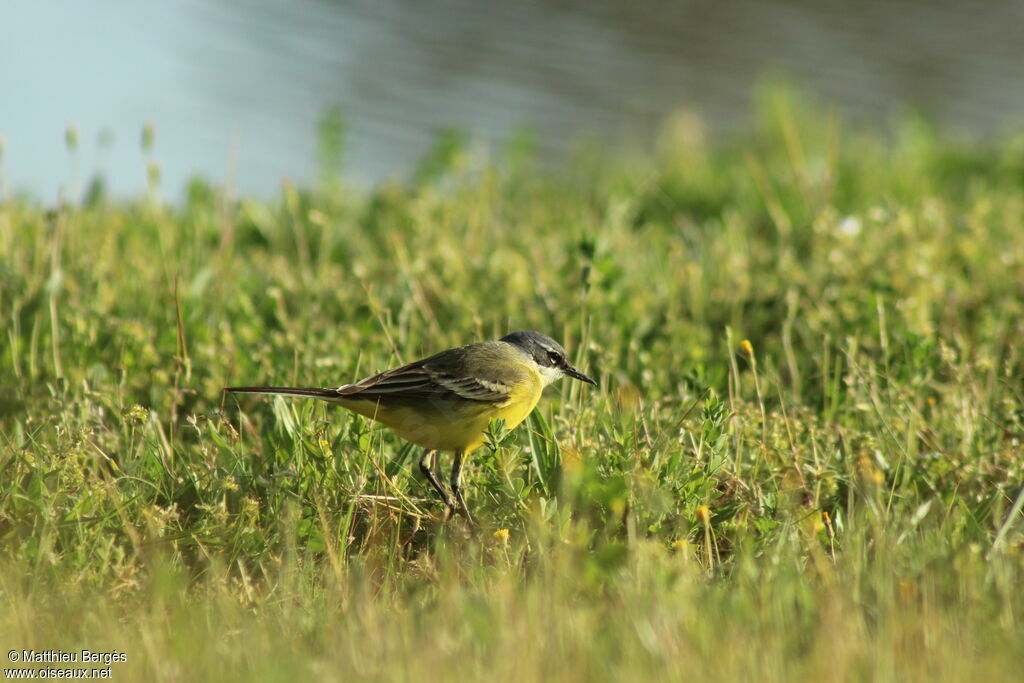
237, 90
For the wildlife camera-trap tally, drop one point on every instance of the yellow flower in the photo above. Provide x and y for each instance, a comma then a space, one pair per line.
746, 347
501, 535
703, 513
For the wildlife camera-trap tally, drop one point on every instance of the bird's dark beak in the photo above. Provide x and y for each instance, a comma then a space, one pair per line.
576, 374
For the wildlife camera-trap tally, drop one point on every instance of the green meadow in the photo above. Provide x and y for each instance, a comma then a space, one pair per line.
803, 461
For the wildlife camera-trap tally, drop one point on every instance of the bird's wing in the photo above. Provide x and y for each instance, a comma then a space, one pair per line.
440, 377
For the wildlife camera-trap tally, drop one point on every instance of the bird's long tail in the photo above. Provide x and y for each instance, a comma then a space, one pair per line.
310, 392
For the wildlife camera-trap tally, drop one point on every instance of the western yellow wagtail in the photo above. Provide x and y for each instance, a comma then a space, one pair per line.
445, 402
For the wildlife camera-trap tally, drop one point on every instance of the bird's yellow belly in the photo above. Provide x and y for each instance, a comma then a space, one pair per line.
448, 425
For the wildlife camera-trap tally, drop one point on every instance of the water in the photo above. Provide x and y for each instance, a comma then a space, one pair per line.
235, 89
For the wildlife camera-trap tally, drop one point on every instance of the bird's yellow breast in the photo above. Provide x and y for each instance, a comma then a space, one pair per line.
451, 425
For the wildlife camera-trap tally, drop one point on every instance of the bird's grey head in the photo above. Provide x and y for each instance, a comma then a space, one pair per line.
550, 357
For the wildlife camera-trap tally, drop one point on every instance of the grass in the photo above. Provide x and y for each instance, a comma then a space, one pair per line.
802, 461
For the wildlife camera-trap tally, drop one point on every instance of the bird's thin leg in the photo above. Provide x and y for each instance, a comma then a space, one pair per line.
457, 487
427, 468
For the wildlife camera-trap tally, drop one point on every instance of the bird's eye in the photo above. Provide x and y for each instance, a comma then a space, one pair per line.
554, 358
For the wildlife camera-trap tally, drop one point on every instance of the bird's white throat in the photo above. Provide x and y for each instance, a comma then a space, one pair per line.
548, 375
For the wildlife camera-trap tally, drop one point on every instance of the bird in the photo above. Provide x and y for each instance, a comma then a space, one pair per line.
446, 401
